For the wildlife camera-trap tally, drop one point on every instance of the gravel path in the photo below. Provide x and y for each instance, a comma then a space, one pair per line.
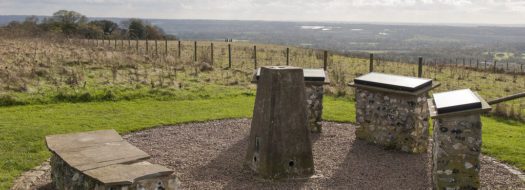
210, 156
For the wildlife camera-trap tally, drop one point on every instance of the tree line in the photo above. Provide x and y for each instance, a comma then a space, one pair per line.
74, 24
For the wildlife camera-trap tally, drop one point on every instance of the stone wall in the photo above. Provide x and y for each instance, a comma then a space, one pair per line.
456, 152
65, 177
395, 121
314, 106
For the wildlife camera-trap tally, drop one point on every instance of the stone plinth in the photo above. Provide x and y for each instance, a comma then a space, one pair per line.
314, 79
457, 140
103, 160
393, 113
279, 143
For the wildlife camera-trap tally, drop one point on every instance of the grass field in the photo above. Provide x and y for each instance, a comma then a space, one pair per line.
23, 127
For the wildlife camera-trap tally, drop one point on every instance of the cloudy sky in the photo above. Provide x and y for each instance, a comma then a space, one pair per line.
405, 11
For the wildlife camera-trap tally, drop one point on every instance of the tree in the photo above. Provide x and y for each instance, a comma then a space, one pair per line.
107, 26
137, 29
67, 21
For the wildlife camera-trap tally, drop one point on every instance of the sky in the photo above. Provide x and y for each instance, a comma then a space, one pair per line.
501, 12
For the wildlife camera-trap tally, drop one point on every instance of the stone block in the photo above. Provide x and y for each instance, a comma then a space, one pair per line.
393, 115
457, 142
103, 160
279, 143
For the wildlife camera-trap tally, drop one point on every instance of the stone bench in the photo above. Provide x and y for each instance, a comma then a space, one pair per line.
314, 80
103, 160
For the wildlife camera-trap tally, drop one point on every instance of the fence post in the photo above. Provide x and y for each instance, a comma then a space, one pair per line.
325, 60
211, 53
156, 48
477, 64
137, 45
115, 43
129, 43
521, 68
420, 67
371, 68
166, 47
147, 46
507, 69
287, 56
178, 48
495, 62
229, 56
485, 65
195, 51
255, 56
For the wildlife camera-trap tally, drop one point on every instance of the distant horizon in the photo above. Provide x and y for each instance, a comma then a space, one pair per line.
457, 24
434, 12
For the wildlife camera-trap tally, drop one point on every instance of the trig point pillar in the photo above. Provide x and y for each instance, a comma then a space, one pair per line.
279, 143
392, 111
314, 80
457, 139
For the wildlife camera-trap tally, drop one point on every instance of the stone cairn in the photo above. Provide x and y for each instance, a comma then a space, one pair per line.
101, 160
279, 143
314, 80
457, 139
392, 111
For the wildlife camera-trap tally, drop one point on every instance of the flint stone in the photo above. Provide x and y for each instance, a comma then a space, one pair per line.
279, 143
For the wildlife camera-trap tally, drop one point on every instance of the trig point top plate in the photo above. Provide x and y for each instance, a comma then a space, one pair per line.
309, 74
457, 100
394, 82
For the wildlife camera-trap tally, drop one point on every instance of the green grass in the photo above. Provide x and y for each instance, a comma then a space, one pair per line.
23, 128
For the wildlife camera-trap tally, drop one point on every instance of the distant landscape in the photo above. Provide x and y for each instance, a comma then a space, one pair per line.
400, 42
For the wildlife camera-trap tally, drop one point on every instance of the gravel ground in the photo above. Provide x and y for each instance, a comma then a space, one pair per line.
210, 156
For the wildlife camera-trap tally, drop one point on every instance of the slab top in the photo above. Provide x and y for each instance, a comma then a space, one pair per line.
95, 149
309, 74
457, 100
394, 82
120, 174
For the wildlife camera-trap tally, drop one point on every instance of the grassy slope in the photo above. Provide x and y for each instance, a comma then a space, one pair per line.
23, 128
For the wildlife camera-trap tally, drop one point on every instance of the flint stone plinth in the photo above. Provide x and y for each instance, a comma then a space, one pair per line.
102, 160
279, 143
457, 139
314, 80
392, 111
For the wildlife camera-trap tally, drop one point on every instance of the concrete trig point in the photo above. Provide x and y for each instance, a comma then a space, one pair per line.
457, 139
392, 111
314, 80
101, 160
279, 143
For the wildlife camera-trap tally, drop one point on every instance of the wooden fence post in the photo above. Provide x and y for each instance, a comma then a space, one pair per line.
166, 47
229, 56
485, 65
521, 68
507, 69
147, 46
178, 48
137, 45
325, 60
156, 48
115, 44
371, 67
255, 57
495, 67
195, 51
420, 67
211, 53
287, 56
